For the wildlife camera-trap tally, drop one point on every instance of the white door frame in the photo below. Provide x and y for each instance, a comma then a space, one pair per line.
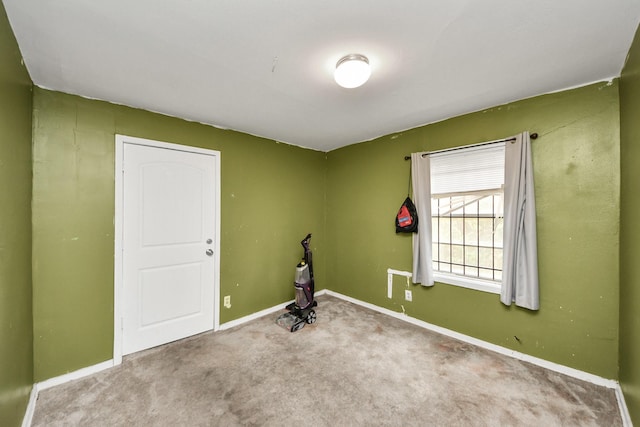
118, 223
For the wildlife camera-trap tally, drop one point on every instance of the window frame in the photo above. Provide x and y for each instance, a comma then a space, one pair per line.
460, 280
474, 283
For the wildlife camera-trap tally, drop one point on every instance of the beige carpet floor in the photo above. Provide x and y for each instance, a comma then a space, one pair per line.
353, 367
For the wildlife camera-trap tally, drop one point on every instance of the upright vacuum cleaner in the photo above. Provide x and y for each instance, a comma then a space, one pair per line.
301, 311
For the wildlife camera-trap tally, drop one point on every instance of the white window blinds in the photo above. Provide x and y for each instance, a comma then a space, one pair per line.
467, 170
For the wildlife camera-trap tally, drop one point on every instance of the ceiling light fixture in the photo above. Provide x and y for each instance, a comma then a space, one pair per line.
352, 71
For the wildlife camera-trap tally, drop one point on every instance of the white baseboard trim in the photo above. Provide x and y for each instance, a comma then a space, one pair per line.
622, 404
89, 370
562, 369
572, 372
271, 310
245, 319
31, 407
585, 376
80, 373
52, 382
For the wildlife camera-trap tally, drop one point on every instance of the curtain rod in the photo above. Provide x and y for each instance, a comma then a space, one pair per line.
532, 136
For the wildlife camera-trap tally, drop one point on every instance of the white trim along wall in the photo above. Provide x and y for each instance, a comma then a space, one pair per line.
575, 373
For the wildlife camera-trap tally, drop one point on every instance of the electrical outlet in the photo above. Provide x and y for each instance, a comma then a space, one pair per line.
227, 301
407, 295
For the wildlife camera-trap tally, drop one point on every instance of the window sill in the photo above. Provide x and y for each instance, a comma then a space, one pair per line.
467, 282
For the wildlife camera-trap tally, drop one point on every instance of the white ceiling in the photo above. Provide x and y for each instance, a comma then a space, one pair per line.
264, 67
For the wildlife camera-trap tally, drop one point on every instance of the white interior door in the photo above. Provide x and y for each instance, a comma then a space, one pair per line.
168, 243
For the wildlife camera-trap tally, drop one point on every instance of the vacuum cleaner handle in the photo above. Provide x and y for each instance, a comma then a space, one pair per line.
305, 243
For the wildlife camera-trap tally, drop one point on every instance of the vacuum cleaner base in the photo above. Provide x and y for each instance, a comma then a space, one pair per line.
290, 322
295, 319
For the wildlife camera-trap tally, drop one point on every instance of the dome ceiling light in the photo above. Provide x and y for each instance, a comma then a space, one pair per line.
352, 70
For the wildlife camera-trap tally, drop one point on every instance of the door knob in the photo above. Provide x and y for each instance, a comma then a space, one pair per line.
209, 252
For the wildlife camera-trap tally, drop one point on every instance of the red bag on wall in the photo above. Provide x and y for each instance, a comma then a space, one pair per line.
407, 217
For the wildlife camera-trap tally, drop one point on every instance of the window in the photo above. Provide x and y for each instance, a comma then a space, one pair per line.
467, 185
467, 216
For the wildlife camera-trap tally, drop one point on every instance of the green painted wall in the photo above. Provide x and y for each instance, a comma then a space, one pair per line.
272, 195
16, 328
630, 230
576, 162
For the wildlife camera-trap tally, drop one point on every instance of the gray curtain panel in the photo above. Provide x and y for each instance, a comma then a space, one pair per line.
520, 256
422, 251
